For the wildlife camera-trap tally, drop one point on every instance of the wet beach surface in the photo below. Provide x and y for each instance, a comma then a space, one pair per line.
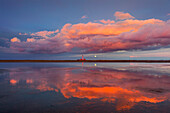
84, 87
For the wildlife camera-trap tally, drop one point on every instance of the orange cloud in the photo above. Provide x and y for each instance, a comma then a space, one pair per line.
76, 30
15, 39
121, 15
103, 36
107, 21
30, 40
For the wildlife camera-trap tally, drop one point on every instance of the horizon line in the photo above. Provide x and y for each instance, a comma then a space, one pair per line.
58, 61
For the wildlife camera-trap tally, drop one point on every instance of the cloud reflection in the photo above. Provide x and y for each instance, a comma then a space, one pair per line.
125, 88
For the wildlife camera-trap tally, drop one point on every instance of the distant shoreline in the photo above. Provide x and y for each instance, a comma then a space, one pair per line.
104, 61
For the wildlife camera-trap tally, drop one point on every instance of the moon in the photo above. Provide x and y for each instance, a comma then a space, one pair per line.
95, 56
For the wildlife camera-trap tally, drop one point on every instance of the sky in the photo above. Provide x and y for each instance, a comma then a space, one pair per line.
99, 29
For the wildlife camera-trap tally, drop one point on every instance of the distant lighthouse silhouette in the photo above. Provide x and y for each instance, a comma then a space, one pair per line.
82, 59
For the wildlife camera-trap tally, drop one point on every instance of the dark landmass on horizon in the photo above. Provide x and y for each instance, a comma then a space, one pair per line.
111, 61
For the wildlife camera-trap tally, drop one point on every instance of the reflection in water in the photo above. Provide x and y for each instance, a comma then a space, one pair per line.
12, 81
124, 88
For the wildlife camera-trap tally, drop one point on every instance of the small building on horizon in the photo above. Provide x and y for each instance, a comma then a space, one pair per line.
82, 59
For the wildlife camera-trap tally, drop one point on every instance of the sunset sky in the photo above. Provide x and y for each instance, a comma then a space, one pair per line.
99, 29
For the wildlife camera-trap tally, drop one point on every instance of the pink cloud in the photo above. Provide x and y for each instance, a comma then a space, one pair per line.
168, 14
23, 34
133, 56
50, 46
83, 17
45, 34
121, 15
99, 37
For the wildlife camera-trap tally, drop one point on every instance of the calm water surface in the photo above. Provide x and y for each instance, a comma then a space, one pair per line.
88, 87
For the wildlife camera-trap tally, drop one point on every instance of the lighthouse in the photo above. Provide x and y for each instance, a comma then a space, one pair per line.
82, 59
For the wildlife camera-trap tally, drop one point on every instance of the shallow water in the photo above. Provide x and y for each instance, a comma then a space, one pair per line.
88, 87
